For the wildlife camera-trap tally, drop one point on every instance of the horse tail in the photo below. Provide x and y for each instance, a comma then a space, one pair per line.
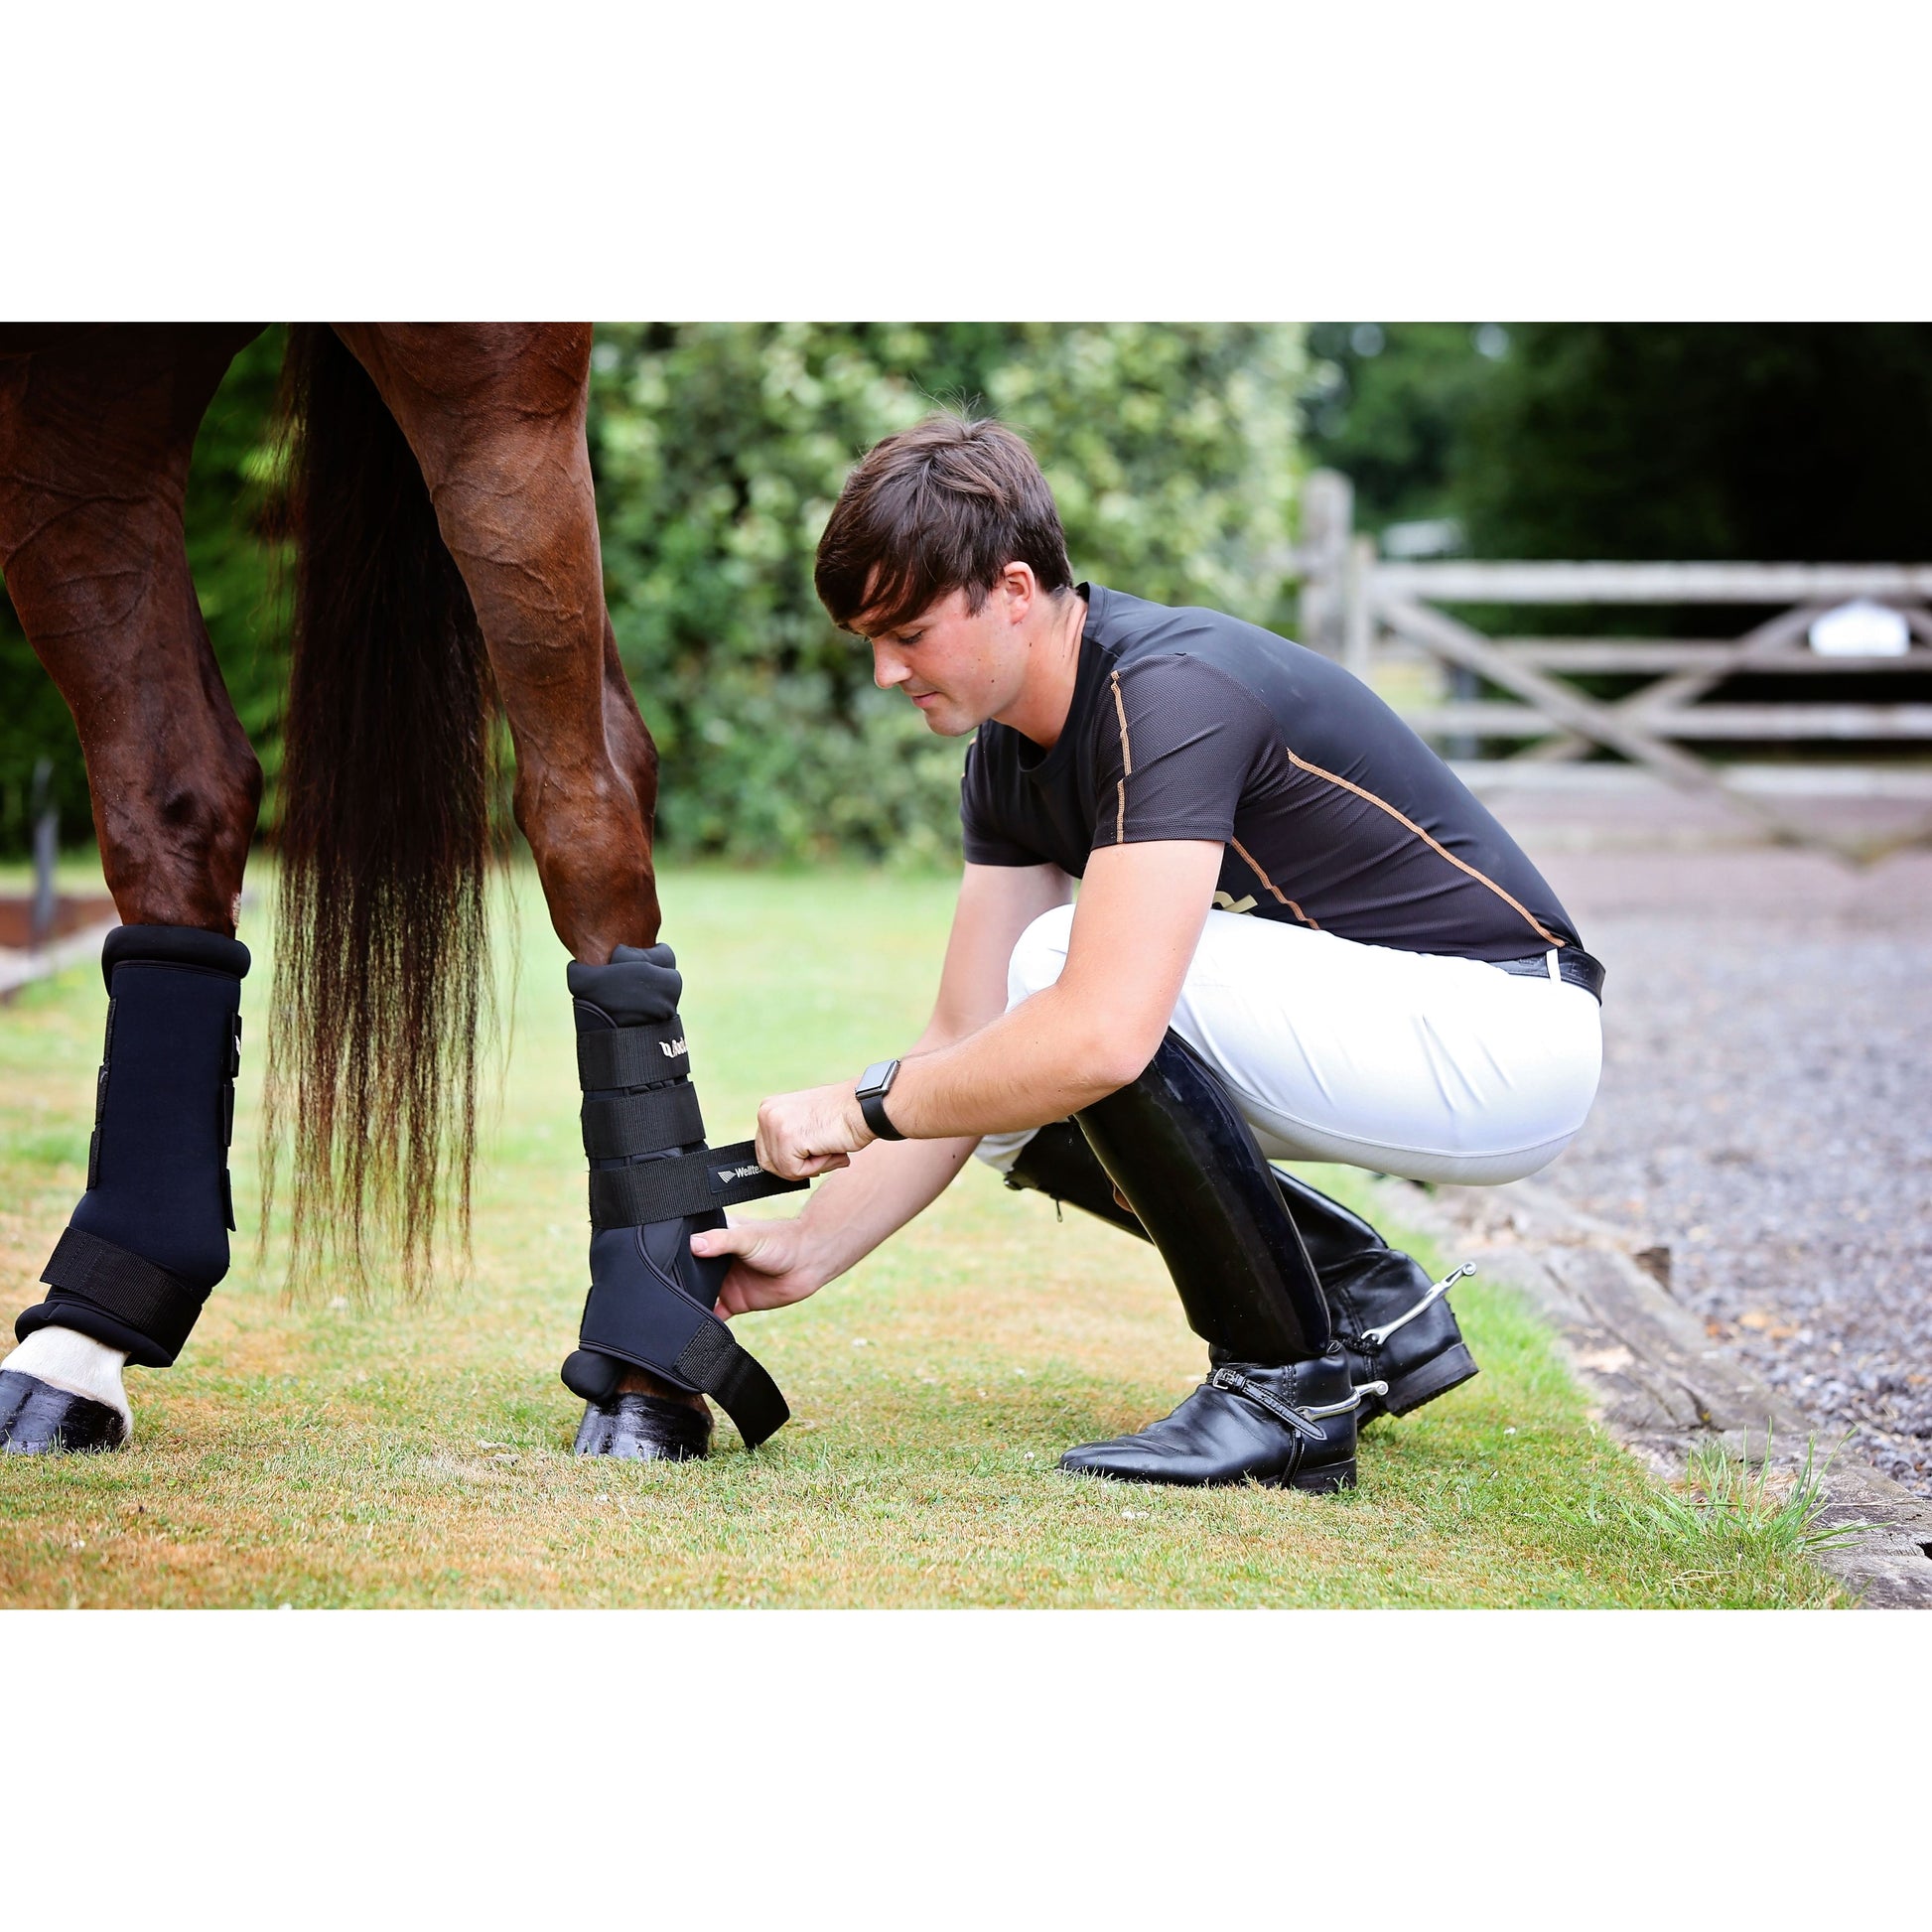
381, 949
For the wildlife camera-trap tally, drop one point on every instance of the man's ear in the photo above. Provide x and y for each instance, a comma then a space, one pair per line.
1022, 587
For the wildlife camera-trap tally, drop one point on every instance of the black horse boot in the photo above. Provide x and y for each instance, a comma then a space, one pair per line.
1277, 1405
1395, 1326
149, 1239
653, 1184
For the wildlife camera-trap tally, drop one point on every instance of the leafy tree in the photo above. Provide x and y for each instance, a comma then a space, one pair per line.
1745, 441
1387, 404
1741, 440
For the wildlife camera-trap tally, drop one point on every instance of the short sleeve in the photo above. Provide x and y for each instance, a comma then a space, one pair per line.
1176, 740
984, 838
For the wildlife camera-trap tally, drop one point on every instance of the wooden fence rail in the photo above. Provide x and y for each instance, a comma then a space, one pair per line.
1357, 606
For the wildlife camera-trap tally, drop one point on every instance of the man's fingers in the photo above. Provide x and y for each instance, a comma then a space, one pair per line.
745, 1241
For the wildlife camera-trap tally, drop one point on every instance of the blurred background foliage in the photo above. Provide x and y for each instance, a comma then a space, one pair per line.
1176, 453
1750, 442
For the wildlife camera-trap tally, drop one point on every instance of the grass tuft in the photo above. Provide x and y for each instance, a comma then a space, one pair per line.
1745, 1525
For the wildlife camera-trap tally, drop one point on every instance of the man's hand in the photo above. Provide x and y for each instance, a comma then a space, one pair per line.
770, 1265
810, 1133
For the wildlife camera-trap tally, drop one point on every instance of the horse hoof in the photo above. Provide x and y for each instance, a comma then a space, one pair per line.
643, 1429
37, 1419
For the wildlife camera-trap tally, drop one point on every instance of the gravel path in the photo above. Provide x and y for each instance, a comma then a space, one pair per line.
1766, 1114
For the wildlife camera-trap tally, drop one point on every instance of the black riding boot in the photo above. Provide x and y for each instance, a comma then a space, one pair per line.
1278, 1404
149, 1239
1395, 1326
653, 1184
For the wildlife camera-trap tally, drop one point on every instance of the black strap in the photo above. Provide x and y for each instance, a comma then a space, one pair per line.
690, 1184
641, 1123
713, 1362
633, 1056
147, 1298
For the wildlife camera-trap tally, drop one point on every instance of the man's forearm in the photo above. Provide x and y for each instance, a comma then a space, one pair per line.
1046, 1057
854, 1209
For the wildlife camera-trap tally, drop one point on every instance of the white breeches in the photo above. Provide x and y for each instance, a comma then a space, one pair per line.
1408, 1064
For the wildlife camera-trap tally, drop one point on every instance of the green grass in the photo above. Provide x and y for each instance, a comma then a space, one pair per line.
331, 1453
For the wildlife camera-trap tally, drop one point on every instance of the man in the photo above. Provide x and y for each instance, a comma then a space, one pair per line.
1297, 935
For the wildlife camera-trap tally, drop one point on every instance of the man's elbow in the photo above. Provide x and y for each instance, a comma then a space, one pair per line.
1119, 1058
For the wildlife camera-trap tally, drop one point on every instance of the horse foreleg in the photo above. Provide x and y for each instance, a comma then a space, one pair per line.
495, 418
95, 443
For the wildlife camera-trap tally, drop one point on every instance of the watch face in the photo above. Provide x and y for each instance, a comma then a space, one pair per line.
877, 1079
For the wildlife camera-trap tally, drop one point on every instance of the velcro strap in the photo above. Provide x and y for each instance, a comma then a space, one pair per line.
689, 1183
631, 1056
641, 1123
713, 1362
147, 1298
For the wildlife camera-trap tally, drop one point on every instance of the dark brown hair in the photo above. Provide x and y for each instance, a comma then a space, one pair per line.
945, 506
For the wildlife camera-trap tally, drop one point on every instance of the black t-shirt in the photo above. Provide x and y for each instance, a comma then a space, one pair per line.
1189, 724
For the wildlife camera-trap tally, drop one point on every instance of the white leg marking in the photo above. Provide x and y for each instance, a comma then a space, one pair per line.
77, 1363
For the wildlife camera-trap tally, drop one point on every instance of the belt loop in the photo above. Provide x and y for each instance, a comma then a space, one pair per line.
1550, 959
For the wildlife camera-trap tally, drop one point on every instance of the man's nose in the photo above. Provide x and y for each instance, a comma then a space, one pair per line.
888, 667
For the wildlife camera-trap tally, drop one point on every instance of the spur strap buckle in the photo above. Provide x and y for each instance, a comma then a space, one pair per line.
1375, 1337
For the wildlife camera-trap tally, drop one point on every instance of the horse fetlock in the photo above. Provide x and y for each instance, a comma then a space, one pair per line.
655, 1181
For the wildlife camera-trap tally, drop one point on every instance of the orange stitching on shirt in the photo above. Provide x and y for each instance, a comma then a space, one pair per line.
1435, 844
1125, 765
1269, 884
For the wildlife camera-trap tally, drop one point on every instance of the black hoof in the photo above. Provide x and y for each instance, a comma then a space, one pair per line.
644, 1428
39, 1420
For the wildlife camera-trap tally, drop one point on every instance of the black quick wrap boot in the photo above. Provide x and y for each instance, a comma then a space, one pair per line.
149, 1239
1279, 1405
1394, 1323
653, 1184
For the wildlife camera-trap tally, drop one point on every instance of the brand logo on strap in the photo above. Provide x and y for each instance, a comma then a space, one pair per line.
723, 1176
671, 1048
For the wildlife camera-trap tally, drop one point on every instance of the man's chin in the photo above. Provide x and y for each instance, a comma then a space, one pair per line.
944, 722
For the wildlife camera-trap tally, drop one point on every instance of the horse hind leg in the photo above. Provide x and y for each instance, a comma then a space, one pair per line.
95, 443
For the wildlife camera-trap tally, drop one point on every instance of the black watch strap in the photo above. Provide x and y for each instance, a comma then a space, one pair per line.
875, 1083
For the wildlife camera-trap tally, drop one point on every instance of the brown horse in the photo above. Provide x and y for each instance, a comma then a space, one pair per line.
440, 499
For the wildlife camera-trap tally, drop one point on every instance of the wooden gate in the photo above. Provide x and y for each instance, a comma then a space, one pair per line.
1355, 605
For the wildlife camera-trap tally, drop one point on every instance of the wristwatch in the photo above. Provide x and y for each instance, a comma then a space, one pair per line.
875, 1083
